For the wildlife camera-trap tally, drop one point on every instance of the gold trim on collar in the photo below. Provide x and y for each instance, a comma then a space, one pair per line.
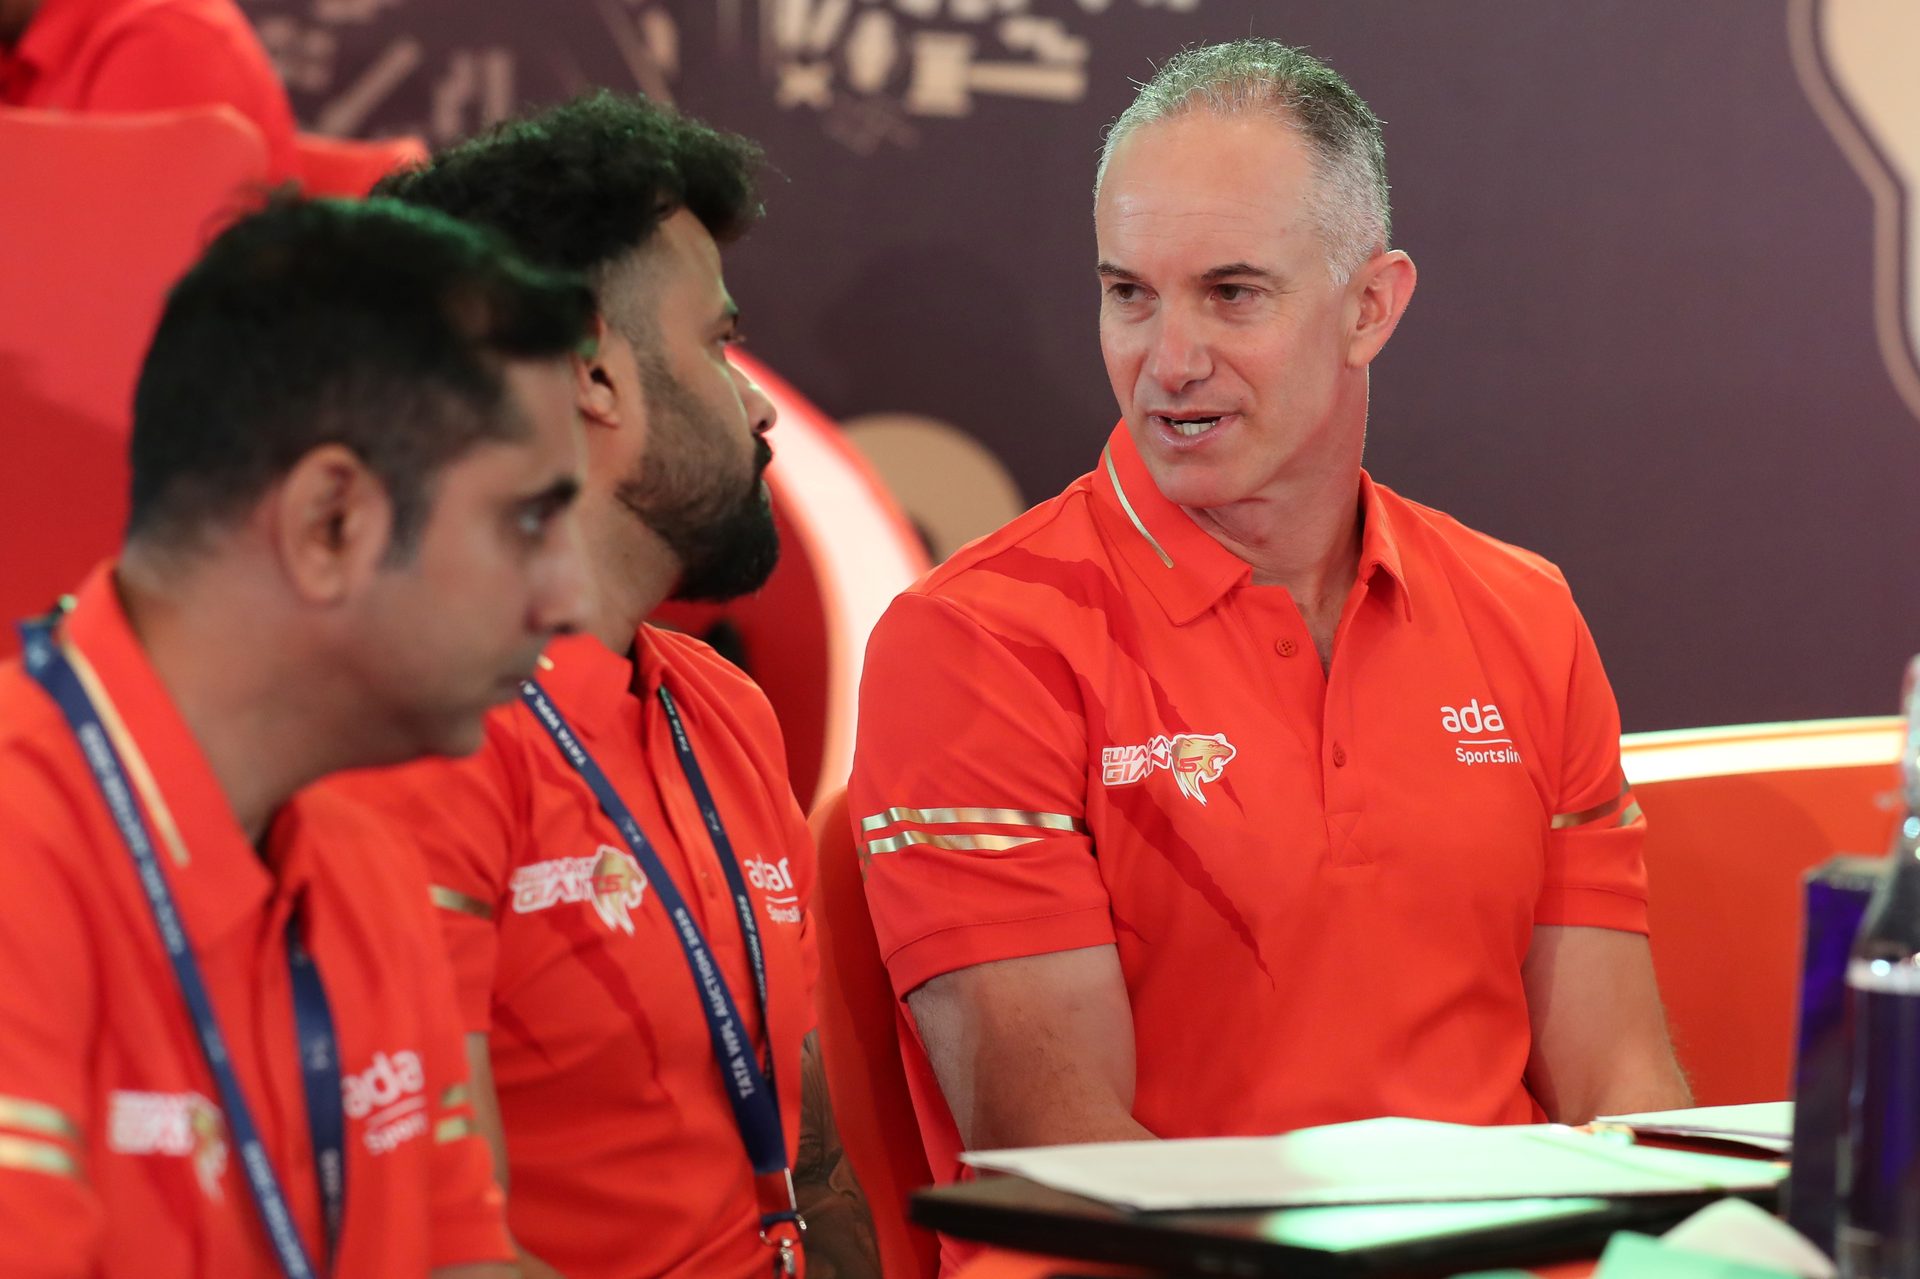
969, 817
36, 1116
130, 755
37, 1156
451, 899
1564, 821
974, 843
1106, 456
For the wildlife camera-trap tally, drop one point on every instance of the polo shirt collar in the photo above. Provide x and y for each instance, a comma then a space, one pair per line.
585, 678
52, 39
1185, 568
222, 882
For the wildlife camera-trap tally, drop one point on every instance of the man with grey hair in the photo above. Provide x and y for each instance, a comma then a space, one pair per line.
1229, 791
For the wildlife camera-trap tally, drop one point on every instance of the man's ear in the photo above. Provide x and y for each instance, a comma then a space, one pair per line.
593, 387
331, 523
1378, 295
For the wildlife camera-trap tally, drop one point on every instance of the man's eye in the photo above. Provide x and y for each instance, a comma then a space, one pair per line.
1120, 291
1232, 292
531, 522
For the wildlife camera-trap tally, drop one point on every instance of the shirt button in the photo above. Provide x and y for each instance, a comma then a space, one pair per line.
1286, 647
1339, 755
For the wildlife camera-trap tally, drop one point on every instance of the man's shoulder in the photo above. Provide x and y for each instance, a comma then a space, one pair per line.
1003, 577
1472, 562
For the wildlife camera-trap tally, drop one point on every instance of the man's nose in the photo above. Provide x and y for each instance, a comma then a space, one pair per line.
1179, 355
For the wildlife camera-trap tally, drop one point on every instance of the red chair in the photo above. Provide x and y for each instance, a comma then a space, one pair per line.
102, 214
860, 1039
350, 166
1735, 816
846, 552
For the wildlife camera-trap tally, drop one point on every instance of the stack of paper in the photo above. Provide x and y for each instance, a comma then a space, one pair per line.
1375, 1161
1766, 1125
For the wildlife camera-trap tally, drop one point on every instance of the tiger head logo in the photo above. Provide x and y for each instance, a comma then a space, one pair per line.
1197, 759
618, 887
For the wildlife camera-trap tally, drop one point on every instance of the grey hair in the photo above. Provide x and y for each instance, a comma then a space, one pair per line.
1348, 204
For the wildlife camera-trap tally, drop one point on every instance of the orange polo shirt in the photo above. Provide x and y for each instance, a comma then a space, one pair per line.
623, 1155
1090, 728
114, 1160
149, 55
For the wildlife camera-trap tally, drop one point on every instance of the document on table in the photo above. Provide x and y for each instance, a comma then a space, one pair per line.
1375, 1161
1765, 1125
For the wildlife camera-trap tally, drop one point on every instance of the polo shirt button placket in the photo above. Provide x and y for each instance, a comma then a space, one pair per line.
1339, 755
1286, 648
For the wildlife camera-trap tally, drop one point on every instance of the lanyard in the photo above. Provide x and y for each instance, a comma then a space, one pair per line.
756, 1108
313, 1019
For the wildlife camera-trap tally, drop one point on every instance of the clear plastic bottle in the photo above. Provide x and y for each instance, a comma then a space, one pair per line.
1879, 1234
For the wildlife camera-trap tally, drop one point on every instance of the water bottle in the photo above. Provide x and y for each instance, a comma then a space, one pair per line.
1879, 1236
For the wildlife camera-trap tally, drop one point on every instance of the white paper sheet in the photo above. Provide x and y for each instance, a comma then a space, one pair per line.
1373, 1161
1765, 1125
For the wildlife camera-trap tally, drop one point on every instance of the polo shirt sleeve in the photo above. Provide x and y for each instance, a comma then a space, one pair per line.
1596, 874
463, 818
468, 1211
166, 60
968, 797
51, 1223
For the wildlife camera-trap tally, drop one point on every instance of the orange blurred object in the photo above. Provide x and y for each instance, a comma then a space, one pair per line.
1735, 817
350, 166
102, 214
859, 1036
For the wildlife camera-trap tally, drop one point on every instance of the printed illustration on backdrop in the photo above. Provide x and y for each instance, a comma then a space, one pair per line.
872, 68
1856, 59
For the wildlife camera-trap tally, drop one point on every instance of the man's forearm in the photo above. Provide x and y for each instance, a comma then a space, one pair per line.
839, 1241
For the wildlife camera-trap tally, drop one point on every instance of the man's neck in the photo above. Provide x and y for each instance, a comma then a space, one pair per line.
250, 732
1304, 537
633, 574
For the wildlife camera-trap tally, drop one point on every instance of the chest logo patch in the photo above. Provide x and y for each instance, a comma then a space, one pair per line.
390, 1096
1479, 734
1194, 759
183, 1125
609, 880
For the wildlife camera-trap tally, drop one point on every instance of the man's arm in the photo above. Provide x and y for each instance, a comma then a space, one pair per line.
1034, 1051
1600, 1042
840, 1242
486, 1121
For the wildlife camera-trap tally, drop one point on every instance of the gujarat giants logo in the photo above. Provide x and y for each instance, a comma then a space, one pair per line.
178, 1125
1194, 759
1856, 60
609, 880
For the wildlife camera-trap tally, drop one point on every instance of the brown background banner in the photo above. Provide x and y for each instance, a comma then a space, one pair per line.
1663, 333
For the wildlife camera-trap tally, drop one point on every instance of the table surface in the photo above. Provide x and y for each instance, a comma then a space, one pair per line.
998, 1264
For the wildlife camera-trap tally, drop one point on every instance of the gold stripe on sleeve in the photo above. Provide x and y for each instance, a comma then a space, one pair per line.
37, 1116
454, 1096
1631, 816
449, 899
37, 1156
894, 843
969, 817
453, 1129
1563, 821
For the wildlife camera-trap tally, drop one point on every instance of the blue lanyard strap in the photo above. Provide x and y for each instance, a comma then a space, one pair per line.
319, 1060
756, 1108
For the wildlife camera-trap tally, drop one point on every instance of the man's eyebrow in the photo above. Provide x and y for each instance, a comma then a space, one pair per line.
1239, 270
556, 496
1112, 271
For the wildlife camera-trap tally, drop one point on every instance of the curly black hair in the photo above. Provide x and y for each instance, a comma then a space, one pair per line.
582, 185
